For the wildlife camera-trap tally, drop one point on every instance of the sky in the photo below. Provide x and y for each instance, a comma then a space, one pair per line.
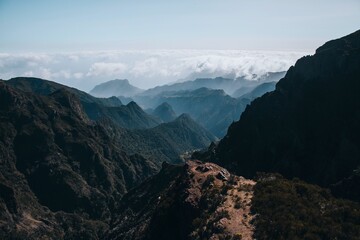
119, 39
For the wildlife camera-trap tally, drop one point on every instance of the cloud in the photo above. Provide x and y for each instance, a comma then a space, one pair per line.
106, 69
78, 75
144, 68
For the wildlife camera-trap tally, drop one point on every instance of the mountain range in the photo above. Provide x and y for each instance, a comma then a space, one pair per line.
73, 166
128, 121
58, 166
214, 108
307, 130
229, 85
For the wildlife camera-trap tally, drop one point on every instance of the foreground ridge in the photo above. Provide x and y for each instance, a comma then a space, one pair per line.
200, 201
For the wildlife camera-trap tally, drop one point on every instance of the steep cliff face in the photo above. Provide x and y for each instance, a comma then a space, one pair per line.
309, 126
54, 159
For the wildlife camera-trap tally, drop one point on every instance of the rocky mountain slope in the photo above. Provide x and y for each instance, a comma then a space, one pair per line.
309, 126
63, 176
195, 201
132, 116
127, 124
165, 142
204, 201
53, 158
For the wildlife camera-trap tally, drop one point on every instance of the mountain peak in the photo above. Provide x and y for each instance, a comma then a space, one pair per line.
165, 112
116, 87
184, 117
349, 42
133, 105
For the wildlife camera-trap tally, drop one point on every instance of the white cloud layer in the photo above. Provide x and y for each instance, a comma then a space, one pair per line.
143, 68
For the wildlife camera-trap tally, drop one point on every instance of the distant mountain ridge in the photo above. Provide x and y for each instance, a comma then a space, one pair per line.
229, 85
215, 116
213, 109
115, 88
46, 87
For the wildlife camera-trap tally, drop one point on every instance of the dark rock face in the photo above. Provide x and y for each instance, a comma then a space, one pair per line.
53, 158
309, 127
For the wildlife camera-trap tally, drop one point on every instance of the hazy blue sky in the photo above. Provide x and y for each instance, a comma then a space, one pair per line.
82, 43
77, 25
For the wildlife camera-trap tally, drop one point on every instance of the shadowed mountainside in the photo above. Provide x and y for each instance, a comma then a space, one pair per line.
165, 142
53, 158
309, 126
128, 124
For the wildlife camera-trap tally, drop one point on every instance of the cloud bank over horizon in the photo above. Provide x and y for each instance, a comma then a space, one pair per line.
144, 68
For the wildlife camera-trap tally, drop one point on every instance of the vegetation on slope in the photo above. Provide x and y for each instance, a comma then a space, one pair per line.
293, 209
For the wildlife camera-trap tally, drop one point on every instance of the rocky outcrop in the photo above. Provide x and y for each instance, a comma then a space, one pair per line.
195, 201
